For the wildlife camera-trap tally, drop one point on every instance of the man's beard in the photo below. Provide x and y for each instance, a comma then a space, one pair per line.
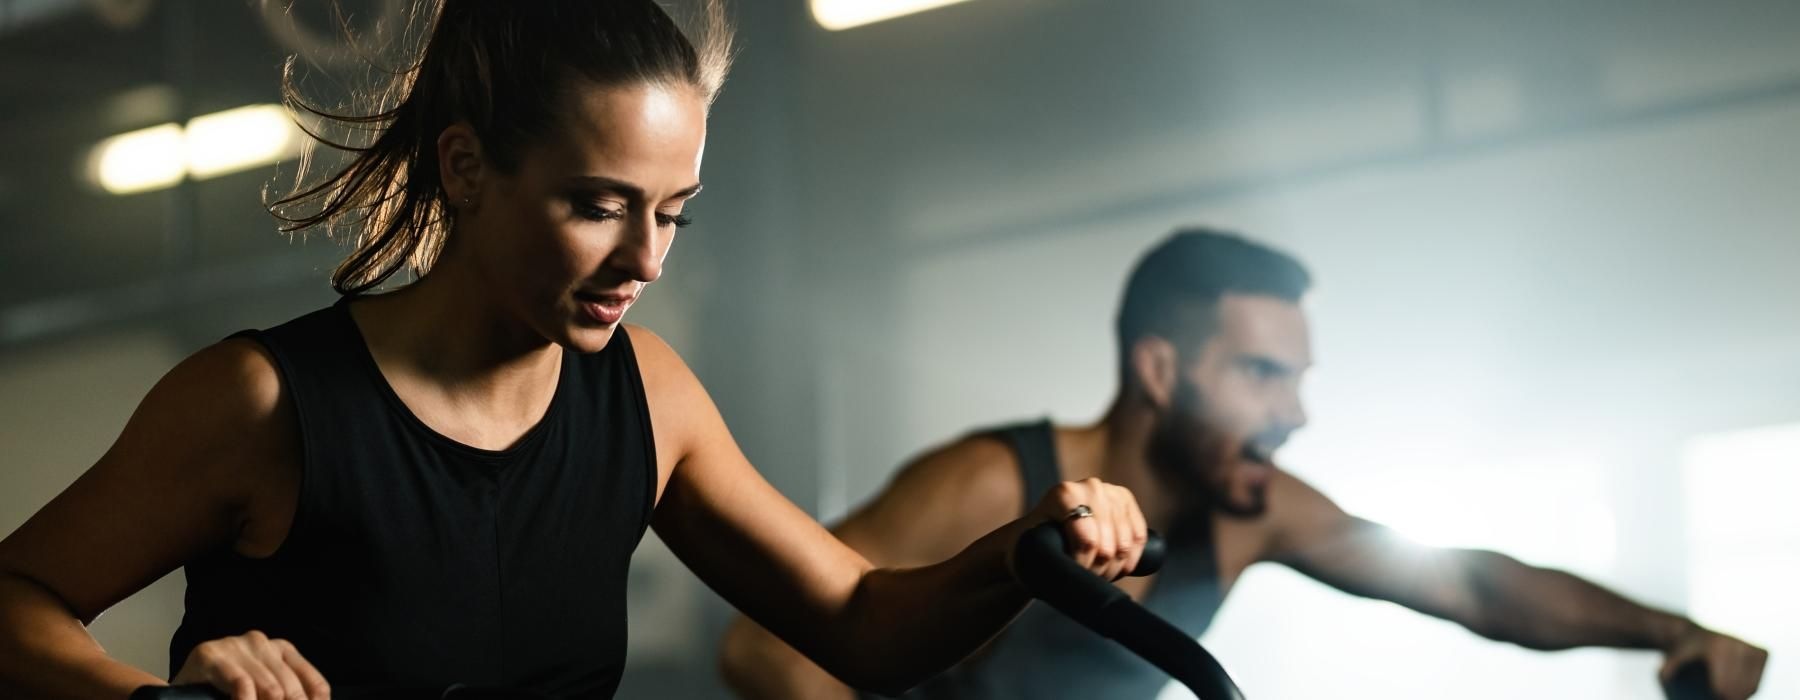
1197, 459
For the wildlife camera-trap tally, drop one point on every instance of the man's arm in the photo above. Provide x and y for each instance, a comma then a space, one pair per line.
933, 509
1491, 594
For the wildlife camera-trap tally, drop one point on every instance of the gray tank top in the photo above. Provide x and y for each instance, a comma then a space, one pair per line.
1046, 655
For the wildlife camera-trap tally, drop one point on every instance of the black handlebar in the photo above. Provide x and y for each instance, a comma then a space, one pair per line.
1045, 569
1690, 682
1156, 551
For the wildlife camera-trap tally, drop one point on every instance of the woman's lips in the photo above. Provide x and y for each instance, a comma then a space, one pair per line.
605, 310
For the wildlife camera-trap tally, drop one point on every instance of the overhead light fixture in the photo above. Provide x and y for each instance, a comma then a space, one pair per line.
211, 145
138, 161
239, 139
837, 15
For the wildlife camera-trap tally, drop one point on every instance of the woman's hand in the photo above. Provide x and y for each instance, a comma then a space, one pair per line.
251, 666
1101, 523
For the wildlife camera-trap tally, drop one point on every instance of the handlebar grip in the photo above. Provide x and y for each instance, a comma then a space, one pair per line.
1047, 539
1047, 572
1156, 551
1691, 682
1042, 565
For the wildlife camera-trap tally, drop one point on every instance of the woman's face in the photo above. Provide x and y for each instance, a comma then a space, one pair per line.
569, 240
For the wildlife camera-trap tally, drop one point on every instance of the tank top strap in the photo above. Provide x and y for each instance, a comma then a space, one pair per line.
1034, 443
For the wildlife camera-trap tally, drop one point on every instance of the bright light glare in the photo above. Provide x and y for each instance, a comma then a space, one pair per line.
837, 15
1743, 542
138, 161
1553, 511
1740, 486
211, 145
239, 139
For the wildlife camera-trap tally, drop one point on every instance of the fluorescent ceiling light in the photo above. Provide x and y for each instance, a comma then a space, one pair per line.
837, 15
239, 139
211, 145
137, 161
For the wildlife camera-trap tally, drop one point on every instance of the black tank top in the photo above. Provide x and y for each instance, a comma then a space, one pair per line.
1044, 655
417, 560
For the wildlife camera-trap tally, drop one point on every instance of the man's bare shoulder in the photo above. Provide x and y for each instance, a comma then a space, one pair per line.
1291, 496
977, 472
1298, 516
939, 503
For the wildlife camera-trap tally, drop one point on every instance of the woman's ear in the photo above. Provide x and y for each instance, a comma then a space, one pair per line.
461, 166
1154, 364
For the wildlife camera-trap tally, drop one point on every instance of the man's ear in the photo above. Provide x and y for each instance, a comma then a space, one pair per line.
1154, 364
461, 166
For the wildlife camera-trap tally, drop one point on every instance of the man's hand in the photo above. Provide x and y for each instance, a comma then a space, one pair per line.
1735, 667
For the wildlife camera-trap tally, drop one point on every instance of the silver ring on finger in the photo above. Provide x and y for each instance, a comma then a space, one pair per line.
1079, 512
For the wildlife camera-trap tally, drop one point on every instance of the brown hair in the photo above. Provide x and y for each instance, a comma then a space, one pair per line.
505, 68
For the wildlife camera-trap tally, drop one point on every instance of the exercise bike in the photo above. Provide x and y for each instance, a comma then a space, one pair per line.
1046, 571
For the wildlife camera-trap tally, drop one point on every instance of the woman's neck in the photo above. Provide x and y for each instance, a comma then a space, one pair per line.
444, 334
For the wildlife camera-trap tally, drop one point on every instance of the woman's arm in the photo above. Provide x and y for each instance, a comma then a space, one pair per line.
934, 508
213, 437
879, 629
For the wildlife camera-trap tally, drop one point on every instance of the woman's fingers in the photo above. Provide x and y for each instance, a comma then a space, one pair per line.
1106, 540
1081, 531
1131, 528
1103, 528
251, 666
287, 682
311, 680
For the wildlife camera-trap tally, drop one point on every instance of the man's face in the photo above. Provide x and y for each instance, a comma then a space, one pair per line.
1236, 400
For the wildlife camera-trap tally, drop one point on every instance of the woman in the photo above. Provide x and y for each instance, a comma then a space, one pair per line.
445, 483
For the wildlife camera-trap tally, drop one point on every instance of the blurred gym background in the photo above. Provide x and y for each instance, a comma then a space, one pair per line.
1556, 244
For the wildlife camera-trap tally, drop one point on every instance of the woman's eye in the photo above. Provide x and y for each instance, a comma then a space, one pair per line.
594, 212
676, 220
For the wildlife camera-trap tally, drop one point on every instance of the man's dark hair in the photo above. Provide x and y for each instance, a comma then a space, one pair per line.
1175, 288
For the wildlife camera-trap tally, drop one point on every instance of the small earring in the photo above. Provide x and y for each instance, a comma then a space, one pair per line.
466, 202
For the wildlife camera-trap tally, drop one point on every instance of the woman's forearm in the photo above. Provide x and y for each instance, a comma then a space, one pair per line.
46, 653
757, 665
904, 625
